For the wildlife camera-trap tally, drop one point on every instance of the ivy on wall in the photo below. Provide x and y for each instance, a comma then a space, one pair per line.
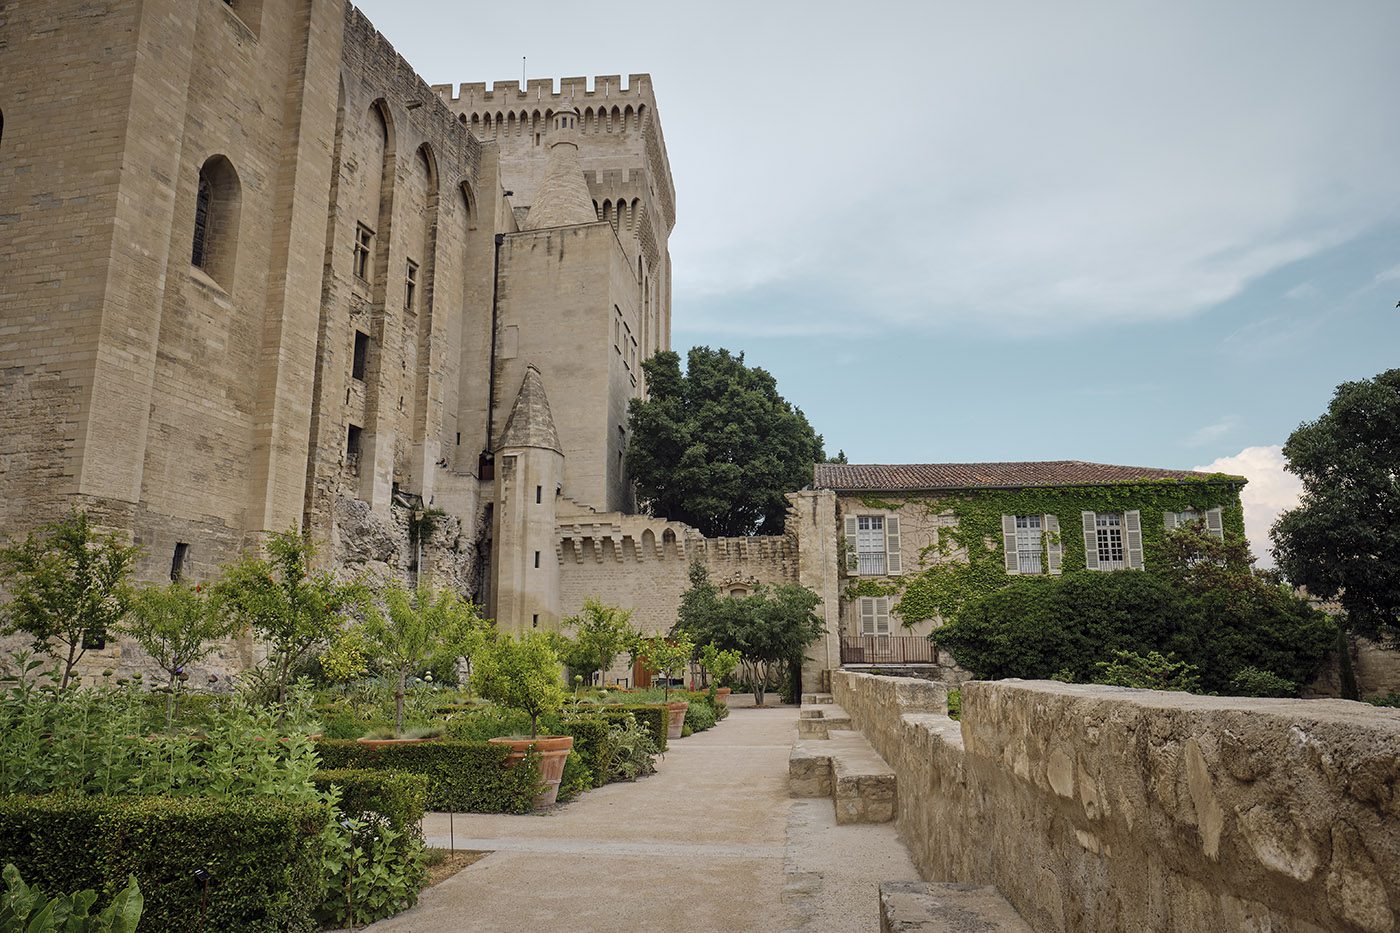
941, 582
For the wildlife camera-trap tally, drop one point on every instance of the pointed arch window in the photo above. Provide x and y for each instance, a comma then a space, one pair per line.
214, 241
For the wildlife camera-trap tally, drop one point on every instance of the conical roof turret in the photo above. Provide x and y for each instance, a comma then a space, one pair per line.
531, 424
563, 198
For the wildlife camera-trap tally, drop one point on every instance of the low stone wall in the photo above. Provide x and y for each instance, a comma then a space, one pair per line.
1102, 808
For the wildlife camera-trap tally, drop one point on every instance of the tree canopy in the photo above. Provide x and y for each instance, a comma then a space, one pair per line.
1343, 539
717, 447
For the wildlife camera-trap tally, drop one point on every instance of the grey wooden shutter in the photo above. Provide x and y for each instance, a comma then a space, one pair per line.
852, 528
1132, 533
867, 615
1171, 519
1008, 542
1091, 542
1054, 548
1215, 523
893, 565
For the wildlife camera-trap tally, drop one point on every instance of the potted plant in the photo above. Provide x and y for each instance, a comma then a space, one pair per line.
417, 626
524, 674
668, 656
718, 664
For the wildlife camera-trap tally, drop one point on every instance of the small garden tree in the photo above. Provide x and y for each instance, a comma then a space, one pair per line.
667, 656
718, 663
292, 607
67, 588
177, 625
521, 674
417, 626
601, 634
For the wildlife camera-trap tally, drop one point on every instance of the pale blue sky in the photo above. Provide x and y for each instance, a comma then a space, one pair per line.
1145, 233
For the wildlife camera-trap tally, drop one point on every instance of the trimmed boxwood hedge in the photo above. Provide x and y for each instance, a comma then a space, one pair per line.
590, 745
399, 796
464, 777
262, 855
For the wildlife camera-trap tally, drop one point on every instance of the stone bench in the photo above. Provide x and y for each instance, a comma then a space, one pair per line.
814, 722
923, 907
844, 767
812, 699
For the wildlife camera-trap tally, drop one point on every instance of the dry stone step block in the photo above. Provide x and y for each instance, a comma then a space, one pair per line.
809, 772
920, 907
810, 699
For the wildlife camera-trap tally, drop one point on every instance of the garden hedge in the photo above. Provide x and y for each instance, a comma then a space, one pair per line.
463, 777
591, 745
399, 796
261, 856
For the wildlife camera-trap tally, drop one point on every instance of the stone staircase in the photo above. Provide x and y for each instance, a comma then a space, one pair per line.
829, 759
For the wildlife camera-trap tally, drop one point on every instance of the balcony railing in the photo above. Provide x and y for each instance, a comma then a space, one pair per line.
887, 649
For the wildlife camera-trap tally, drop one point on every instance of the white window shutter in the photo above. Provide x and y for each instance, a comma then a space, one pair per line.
1132, 532
1091, 541
882, 615
894, 566
1215, 523
1008, 543
1054, 548
867, 615
852, 527
1171, 519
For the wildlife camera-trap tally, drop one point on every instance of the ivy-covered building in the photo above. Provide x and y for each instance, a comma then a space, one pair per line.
915, 541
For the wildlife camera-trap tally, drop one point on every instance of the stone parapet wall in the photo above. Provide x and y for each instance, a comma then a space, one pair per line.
1103, 808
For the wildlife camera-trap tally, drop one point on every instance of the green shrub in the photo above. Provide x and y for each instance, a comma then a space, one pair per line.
1153, 671
955, 704
1252, 682
592, 745
399, 796
262, 856
463, 777
1390, 700
655, 719
24, 909
699, 716
489, 722
633, 749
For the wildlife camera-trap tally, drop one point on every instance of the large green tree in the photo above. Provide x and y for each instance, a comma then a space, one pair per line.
1343, 539
717, 447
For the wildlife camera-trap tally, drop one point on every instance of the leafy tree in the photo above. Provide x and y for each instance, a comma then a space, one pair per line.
416, 626
718, 663
67, 587
602, 633
520, 674
177, 625
1343, 540
1153, 671
292, 607
717, 447
665, 655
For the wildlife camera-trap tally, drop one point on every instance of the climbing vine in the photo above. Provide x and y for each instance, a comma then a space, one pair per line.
943, 581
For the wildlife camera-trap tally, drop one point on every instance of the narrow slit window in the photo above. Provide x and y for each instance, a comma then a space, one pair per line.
364, 240
204, 197
537, 559
360, 358
177, 561
539, 494
410, 285
352, 445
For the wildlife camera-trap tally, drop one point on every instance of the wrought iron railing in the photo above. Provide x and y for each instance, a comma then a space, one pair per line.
887, 649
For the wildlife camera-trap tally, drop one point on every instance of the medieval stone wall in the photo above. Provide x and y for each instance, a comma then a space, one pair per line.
1103, 808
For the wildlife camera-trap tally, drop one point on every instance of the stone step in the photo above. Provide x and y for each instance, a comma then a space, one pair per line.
927, 907
814, 722
809, 699
847, 769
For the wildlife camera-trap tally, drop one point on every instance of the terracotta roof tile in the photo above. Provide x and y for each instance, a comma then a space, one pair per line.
891, 477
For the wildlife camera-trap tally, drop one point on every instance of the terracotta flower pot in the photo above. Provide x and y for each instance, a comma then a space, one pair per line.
677, 718
553, 750
722, 695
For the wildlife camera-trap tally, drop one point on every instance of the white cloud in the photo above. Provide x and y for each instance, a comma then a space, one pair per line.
1271, 490
1211, 432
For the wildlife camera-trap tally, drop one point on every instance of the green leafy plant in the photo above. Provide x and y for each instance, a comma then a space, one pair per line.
700, 716
521, 674
416, 626
178, 626
601, 633
666, 656
24, 909
287, 603
463, 777
1152, 671
67, 589
718, 663
1253, 682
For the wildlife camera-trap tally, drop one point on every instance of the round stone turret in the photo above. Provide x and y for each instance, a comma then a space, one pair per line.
563, 198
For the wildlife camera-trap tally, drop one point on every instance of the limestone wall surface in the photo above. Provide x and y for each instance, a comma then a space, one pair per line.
1104, 808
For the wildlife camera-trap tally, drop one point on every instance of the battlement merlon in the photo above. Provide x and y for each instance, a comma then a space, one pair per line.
538, 90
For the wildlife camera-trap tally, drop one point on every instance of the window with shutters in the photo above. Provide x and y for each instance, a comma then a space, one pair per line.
1211, 521
1028, 543
1108, 532
874, 615
870, 545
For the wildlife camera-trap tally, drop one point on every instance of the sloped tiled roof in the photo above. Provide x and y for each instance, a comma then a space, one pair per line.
892, 477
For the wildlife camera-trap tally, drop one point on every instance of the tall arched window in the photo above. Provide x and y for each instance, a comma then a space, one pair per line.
214, 246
